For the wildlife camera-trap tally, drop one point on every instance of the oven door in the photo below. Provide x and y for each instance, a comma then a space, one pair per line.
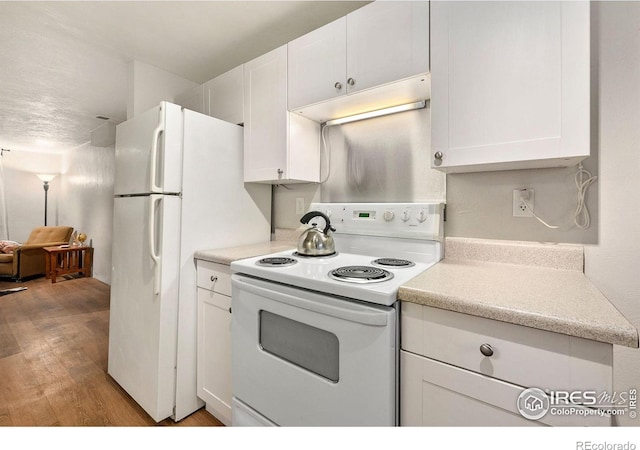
302, 358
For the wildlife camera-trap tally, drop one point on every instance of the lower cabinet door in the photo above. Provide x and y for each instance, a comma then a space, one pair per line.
214, 353
437, 394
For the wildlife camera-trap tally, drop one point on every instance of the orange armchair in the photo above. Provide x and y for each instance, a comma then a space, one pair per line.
28, 259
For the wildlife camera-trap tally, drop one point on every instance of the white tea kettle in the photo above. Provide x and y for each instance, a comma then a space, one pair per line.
313, 241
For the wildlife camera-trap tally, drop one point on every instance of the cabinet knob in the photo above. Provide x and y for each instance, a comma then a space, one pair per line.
351, 81
229, 309
437, 158
486, 350
213, 278
338, 85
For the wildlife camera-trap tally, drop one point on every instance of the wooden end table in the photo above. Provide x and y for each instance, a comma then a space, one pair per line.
64, 259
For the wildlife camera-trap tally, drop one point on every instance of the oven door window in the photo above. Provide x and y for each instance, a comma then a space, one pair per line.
305, 346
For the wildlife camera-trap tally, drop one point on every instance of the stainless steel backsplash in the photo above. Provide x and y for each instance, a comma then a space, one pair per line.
385, 159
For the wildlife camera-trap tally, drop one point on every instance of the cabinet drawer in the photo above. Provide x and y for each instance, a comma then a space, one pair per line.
214, 277
521, 355
437, 394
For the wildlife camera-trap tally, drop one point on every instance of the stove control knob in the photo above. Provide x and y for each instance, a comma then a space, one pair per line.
328, 213
388, 215
422, 216
406, 215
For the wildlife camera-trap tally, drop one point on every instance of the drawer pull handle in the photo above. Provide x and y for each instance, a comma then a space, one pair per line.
214, 278
486, 350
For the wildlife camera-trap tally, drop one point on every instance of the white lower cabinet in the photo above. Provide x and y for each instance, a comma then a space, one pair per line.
437, 394
447, 380
214, 339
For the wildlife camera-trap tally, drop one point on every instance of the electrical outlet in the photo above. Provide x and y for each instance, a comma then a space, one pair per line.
519, 207
299, 205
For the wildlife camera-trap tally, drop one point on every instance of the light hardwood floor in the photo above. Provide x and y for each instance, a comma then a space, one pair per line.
53, 359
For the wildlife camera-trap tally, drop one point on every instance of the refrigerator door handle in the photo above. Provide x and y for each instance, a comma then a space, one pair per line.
154, 200
154, 187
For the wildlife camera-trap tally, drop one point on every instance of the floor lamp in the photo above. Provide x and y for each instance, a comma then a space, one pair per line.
46, 177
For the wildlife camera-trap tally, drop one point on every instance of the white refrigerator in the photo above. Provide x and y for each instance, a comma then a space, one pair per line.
178, 188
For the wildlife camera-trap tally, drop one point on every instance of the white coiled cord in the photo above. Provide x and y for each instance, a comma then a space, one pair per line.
581, 217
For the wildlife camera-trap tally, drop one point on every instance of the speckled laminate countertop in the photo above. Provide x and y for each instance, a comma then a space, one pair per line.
511, 282
230, 254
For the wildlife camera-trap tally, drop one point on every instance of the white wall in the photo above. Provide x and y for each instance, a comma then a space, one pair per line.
613, 264
87, 201
284, 203
25, 194
480, 205
149, 85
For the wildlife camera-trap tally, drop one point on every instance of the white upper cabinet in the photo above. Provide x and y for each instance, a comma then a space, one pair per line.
193, 99
221, 97
317, 65
226, 96
378, 44
387, 41
279, 147
509, 85
265, 97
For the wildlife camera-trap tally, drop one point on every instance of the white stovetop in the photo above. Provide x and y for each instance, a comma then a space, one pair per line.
312, 273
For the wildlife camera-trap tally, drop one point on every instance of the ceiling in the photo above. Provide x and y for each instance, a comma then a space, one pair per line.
64, 63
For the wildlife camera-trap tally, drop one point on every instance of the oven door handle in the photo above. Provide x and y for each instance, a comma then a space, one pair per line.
353, 313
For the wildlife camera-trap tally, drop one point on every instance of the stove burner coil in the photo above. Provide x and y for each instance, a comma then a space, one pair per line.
276, 261
360, 274
392, 262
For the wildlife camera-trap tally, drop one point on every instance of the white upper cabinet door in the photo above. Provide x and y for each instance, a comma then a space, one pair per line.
265, 125
381, 45
193, 99
278, 148
226, 96
387, 41
317, 65
509, 85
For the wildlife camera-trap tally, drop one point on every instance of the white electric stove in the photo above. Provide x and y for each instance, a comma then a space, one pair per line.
315, 339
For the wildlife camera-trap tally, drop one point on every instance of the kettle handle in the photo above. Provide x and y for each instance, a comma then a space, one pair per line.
311, 214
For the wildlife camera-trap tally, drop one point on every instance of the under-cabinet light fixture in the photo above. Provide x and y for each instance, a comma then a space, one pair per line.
377, 113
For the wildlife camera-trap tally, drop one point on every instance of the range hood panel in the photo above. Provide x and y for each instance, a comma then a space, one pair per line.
397, 93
